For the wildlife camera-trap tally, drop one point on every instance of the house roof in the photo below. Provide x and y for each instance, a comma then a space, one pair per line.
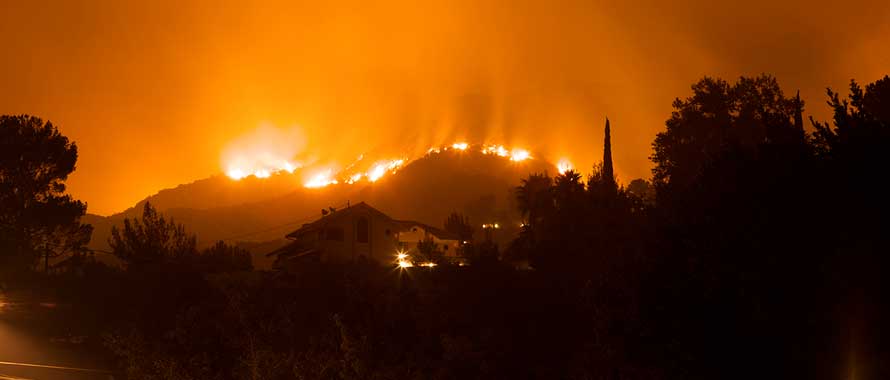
405, 225
335, 215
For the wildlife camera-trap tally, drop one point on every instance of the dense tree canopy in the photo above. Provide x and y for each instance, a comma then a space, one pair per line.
721, 116
37, 218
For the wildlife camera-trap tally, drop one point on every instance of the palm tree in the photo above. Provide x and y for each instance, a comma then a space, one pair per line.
535, 198
568, 190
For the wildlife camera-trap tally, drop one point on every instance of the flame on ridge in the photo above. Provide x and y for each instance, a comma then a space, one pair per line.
265, 171
321, 179
329, 176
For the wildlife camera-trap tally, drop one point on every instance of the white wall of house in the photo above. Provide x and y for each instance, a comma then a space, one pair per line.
417, 233
355, 235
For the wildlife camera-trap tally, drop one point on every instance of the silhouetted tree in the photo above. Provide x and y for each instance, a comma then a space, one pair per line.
37, 219
221, 258
429, 250
861, 123
608, 171
643, 190
459, 225
534, 198
152, 240
720, 116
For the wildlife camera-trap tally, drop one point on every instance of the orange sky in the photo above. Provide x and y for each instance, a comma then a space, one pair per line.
154, 93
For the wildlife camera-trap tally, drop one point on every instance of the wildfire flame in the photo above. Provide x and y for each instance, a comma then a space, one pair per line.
264, 165
519, 155
497, 150
515, 155
264, 171
263, 152
564, 165
322, 179
382, 168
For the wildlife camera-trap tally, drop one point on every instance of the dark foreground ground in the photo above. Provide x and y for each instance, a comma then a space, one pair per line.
35, 345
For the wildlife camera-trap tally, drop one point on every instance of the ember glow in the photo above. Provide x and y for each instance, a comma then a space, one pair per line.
460, 146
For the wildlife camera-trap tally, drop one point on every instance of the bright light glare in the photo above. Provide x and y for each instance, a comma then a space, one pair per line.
563, 166
405, 264
401, 256
428, 264
460, 146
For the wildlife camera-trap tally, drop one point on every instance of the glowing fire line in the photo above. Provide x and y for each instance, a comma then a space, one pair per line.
378, 170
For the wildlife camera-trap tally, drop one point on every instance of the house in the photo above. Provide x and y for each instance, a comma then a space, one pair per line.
361, 232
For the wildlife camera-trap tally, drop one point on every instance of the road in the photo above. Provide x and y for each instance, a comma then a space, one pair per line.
26, 354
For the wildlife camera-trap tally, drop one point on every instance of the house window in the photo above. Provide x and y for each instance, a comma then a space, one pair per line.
361, 230
334, 233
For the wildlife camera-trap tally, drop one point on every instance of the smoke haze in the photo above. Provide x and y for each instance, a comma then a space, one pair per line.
156, 93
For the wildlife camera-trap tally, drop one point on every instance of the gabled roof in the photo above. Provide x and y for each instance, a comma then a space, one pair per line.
337, 215
367, 209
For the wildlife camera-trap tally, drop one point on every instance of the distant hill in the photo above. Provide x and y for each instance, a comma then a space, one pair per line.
254, 210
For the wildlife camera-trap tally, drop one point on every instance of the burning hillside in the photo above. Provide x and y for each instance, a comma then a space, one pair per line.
476, 180
363, 170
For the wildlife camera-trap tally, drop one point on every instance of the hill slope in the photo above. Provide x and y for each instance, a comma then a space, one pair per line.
258, 210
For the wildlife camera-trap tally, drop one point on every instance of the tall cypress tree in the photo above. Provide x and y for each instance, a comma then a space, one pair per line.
798, 112
608, 171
